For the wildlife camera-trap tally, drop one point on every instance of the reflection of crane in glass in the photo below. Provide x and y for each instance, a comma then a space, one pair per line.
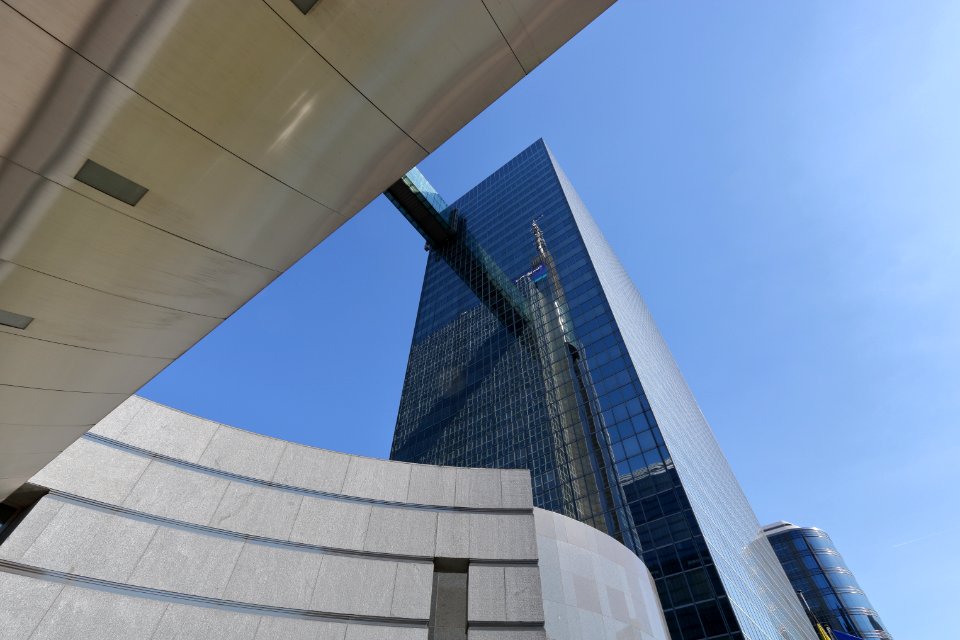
535, 305
574, 404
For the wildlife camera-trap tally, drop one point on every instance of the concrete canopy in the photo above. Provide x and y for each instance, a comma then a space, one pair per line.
255, 130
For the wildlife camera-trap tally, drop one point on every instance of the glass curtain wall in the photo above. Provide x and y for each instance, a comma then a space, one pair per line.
817, 571
556, 390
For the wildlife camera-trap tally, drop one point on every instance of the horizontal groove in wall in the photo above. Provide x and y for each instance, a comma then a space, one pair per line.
503, 563
504, 625
117, 444
201, 601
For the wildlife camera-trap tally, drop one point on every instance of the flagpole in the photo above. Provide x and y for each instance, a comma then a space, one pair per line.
822, 631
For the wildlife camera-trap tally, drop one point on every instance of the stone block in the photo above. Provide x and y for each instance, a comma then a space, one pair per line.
90, 542
167, 431
432, 485
609, 574
280, 628
617, 602
547, 553
577, 560
587, 594
185, 622
375, 632
545, 523
274, 576
377, 479
562, 621
412, 590
502, 537
551, 580
30, 528
486, 598
257, 510
581, 535
401, 531
590, 623
176, 492
524, 600
331, 523
93, 470
621, 629
90, 613
244, 453
355, 585
453, 535
516, 490
615, 552
25, 601
478, 488
312, 468
114, 422
115, 549
62, 541
187, 562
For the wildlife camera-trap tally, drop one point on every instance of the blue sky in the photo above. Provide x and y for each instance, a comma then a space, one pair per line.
782, 181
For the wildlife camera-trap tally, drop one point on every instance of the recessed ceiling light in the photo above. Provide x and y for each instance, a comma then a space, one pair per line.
15, 320
304, 5
110, 182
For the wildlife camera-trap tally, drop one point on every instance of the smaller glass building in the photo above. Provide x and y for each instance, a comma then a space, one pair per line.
818, 573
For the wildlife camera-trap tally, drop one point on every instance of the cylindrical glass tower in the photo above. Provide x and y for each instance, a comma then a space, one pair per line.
817, 571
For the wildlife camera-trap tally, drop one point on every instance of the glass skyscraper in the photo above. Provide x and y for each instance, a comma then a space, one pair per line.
532, 348
817, 572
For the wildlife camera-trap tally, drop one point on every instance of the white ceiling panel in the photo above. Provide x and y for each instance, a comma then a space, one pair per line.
431, 67
242, 77
29, 362
197, 190
26, 406
61, 233
71, 314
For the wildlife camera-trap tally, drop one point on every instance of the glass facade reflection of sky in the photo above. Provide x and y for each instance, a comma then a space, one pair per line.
581, 390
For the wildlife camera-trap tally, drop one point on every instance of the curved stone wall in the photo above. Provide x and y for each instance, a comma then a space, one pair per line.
159, 524
594, 588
